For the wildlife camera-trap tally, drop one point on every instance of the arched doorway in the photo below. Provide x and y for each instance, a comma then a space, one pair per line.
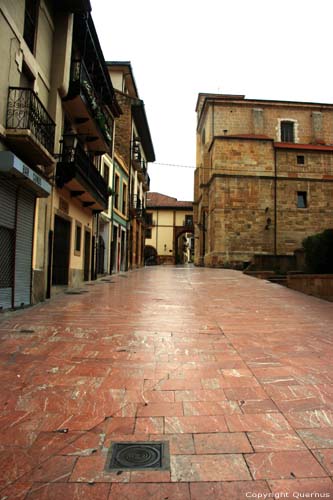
150, 256
184, 246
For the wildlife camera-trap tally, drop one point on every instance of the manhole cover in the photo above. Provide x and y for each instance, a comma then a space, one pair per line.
76, 292
139, 456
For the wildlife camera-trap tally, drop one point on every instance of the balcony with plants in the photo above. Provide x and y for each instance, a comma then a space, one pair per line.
90, 102
85, 106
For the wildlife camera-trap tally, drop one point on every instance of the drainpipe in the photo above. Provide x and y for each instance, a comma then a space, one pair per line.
156, 234
204, 235
112, 198
213, 119
275, 202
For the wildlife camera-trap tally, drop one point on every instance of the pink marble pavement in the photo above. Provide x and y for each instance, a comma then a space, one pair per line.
235, 373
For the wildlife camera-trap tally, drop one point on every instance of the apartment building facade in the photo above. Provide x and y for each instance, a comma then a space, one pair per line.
264, 177
120, 216
134, 149
57, 112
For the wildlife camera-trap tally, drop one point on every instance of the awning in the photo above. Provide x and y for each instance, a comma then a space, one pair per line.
12, 166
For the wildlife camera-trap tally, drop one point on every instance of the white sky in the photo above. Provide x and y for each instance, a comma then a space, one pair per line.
265, 49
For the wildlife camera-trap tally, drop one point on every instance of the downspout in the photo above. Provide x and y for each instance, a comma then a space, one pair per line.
213, 119
112, 198
204, 236
275, 202
97, 255
157, 234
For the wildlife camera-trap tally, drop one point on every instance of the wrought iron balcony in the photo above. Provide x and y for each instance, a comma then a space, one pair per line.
141, 167
146, 182
137, 209
76, 170
30, 129
83, 103
143, 174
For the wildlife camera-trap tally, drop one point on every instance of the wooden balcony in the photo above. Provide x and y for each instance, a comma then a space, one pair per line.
83, 104
76, 171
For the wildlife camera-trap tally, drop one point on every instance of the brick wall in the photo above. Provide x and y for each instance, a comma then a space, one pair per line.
123, 126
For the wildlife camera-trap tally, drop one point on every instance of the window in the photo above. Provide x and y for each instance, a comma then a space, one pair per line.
27, 79
300, 160
148, 233
106, 174
30, 23
124, 199
149, 219
287, 131
116, 189
78, 238
302, 201
188, 220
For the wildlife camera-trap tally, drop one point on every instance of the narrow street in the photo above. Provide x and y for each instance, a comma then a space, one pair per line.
234, 372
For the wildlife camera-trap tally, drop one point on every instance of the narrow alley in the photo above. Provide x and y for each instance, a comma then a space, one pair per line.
235, 373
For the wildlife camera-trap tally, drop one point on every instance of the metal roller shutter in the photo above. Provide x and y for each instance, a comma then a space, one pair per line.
7, 241
23, 248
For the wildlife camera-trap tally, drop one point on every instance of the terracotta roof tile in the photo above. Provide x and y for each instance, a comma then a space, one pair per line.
162, 200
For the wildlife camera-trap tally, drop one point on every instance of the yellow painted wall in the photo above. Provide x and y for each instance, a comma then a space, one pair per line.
164, 222
77, 213
180, 217
165, 240
44, 43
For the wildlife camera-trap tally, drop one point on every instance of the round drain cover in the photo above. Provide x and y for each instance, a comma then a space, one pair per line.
138, 456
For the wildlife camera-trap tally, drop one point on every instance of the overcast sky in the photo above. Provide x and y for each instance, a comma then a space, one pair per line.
265, 49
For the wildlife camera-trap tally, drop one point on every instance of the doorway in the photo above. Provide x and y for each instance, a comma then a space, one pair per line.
61, 249
114, 249
86, 261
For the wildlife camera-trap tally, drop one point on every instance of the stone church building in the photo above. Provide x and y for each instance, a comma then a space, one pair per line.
264, 177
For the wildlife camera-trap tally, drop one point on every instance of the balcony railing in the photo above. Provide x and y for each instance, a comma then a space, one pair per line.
143, 173
82, 82
137, 209
74, 163
146, 181
26, 112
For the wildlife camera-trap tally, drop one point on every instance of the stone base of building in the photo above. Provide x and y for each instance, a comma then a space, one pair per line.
276, 263
319, 285
228, 261
75, 278
166, 259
